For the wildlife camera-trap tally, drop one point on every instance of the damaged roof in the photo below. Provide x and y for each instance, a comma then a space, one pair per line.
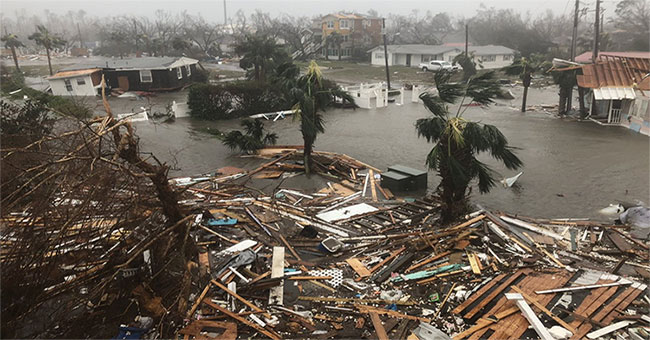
616, 72
439, 49
76, 73
145, 63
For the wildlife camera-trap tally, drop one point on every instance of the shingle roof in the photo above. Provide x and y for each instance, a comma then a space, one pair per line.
438, 49
145, 63
490, 50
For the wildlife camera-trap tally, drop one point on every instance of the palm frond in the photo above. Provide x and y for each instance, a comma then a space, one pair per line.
448, 92
433, 158
233, 139
483, 88
270, 139
434, 104
430, 128
485, 175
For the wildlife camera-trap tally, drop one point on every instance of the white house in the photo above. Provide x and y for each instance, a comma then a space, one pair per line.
76, 83
489, 56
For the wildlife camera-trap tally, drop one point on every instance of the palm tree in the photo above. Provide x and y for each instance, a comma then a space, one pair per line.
457, 141
11, 41
260, 53
252, 139
525, 68
310, 95
49, 41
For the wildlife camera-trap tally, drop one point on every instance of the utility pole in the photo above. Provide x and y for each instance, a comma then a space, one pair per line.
574, 36
594, 54
383, 26
466, 40
225, 13
81, 41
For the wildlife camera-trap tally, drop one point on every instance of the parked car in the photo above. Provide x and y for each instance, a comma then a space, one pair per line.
437, 65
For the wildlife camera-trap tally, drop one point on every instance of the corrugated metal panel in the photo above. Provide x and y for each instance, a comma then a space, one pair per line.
616, 93
616, 72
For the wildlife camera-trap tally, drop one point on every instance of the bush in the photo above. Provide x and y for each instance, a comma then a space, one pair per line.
201, 75
232, 100
59, 105
12, 80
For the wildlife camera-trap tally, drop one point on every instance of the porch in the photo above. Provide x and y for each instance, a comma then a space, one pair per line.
608, 105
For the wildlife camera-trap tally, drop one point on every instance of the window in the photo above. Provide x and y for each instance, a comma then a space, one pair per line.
379, 56
188, 70
344, 24
330, 24
346, 38
81, 81
451, 58
68, 85
488, 58
507, 57
365, 23
145, 76
346, 52
179, 73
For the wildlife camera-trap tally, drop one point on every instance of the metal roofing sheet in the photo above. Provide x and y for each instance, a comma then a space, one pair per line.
616, 72
615, 93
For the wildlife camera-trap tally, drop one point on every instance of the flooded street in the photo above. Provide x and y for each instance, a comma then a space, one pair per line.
571, 169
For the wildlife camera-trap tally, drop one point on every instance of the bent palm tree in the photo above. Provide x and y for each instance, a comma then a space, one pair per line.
311, 94
49, 41
11, 41
525, 68
459, 141
252, 139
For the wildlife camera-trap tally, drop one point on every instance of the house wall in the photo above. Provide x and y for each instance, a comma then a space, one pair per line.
376, 60
637, 117
501, 60
361, 34
161, 79
59, 88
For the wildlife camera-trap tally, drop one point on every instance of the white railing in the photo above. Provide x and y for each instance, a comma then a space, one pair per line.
615, 116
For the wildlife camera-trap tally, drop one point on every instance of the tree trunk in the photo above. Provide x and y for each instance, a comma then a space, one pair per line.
327, 54
523, 99
563, 101
339, 49
453, 193
49, 62
581, 98
307, 155
13, 54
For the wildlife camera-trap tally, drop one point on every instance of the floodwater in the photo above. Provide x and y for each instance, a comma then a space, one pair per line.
571, 168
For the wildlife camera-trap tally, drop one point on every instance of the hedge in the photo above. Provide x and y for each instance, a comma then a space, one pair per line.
234, 99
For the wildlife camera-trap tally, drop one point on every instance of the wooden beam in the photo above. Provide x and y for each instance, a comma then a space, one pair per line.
379, 327
358, 267
198, 301
427, 261
493, 294
373, 189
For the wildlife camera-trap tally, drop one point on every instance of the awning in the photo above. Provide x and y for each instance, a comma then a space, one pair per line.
615, 93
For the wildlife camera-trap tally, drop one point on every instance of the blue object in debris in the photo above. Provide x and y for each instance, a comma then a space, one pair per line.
222, 221
392, 306
130, 333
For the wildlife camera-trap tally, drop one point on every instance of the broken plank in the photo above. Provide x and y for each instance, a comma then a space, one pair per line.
368, 309
427, 261
277, 271
478, 294
358, 267
236, 296
485, 301
379, 327
255, 326
529, 299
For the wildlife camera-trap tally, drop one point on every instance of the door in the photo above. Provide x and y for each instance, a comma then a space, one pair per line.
123, 82
408, 60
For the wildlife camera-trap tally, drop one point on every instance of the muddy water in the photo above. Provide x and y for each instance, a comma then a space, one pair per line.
572, 169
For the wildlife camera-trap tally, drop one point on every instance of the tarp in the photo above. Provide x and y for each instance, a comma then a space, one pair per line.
617, 93
347, 212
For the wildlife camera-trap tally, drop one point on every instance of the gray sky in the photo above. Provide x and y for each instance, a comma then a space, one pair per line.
213, 9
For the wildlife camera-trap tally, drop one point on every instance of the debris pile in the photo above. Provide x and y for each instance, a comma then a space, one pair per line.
258, 254
352, 261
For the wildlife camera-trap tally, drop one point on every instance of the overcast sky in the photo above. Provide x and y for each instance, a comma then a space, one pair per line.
213, 9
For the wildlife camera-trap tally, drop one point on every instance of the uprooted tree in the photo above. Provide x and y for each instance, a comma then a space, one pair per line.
81, 204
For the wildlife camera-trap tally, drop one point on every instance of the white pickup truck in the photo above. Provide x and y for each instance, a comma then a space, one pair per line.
437, 65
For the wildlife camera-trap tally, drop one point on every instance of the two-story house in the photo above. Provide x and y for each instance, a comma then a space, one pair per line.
357, 34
